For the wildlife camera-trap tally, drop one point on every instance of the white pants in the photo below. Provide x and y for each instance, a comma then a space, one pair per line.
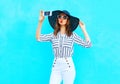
63, 70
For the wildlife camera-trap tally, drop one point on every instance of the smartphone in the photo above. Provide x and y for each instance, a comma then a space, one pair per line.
47, 13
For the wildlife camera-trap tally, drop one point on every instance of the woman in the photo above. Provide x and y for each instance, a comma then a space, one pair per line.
62, 40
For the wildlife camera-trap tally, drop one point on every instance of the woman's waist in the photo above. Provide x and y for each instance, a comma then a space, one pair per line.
63, 62
63, 59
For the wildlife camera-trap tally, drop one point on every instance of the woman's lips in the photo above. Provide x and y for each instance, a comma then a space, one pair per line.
61, 21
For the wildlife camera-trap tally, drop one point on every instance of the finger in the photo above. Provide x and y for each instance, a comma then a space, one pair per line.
41, 12
81, 23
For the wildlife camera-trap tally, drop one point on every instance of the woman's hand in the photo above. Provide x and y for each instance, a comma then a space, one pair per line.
41, 17
38, 32
82, 25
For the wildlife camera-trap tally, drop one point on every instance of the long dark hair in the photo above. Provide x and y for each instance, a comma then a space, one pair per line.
57, 28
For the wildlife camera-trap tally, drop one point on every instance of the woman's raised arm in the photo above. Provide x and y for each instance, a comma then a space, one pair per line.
82, 26
38, 31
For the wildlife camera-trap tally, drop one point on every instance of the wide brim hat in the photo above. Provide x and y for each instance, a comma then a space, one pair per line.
74, 21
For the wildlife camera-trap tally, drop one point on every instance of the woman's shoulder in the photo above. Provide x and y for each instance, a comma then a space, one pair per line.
73, 34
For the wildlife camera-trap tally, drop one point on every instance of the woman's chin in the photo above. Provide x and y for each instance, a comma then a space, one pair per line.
61, 24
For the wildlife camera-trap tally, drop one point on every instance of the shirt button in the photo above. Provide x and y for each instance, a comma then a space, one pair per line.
66, 60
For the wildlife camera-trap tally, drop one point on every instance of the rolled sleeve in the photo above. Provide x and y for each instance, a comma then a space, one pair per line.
45, 37
77, 39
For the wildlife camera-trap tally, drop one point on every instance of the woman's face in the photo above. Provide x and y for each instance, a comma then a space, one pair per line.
62, 19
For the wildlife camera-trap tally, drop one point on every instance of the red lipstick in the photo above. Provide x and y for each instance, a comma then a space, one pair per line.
61, 21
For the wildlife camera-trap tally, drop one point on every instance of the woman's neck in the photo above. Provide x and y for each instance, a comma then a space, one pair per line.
62, 29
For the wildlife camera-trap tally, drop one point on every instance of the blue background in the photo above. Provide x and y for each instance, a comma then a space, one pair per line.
25, 61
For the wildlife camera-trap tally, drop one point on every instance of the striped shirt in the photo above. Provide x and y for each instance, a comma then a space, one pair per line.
62, 44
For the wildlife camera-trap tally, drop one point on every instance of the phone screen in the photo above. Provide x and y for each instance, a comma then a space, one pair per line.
47, 13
